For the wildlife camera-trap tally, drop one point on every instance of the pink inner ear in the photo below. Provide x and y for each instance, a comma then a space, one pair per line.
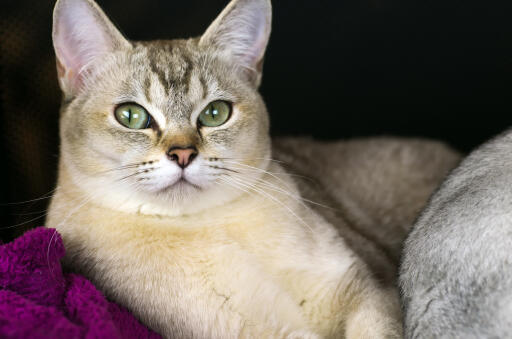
260, 42
242, 29
247, 38
79, 38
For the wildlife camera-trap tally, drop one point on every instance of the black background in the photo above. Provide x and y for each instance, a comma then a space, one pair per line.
334, 69
338, 69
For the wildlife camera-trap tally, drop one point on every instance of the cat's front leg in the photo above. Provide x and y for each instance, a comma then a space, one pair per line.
303, 334
375, 315
369, 310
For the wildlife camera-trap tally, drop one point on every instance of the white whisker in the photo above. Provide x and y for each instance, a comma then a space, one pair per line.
266, 194
47, 195
296, 196
259, 169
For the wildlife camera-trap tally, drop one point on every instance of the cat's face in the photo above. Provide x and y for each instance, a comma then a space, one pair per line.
164, 127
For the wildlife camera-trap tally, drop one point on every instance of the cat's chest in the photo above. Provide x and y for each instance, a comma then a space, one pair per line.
214, 261
250, 272
185, 277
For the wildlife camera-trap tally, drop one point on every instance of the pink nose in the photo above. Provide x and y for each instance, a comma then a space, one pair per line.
182, 155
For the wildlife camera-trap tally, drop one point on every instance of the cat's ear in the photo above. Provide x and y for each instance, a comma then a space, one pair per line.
242, 30
82, 34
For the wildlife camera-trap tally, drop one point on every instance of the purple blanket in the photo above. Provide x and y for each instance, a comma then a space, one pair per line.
38, 301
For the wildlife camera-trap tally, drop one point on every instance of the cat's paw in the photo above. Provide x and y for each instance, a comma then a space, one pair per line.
303, 334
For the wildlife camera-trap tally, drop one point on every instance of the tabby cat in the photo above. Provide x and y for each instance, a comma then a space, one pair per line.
456, 274
172, 199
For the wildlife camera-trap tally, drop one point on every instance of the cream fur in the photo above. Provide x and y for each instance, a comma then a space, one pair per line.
243, 270
243, 249
251, 269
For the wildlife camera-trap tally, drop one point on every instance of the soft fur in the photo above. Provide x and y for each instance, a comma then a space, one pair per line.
456, 274
234, 245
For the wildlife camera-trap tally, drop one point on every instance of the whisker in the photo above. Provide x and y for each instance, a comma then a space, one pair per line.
282, 173
127, 166
118, 169
274, 188
48, 255
296, 196
136, 173
262, 192
233, 185
269, 159
25, 222
29, 213
224, 168
74, 210
261, 170
266, 171
44, 196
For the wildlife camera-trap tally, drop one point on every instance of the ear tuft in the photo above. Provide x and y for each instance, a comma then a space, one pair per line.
242, 30
82, 34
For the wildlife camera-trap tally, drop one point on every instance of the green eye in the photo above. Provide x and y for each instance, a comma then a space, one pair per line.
215, 114
133, 116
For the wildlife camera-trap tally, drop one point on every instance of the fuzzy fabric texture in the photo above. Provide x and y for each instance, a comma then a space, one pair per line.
38, 300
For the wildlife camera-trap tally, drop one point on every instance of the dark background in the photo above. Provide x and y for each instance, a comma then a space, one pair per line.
334, 69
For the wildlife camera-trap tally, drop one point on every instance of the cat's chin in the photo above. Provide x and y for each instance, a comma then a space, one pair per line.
184, 198
181, 185
178, 199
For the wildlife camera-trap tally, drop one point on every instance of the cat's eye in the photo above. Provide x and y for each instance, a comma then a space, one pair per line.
215, 114
133, 116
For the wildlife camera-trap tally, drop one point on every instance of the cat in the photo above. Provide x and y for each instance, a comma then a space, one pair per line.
172, 198
456, 271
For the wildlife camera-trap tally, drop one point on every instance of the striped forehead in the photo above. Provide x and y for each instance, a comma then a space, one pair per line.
172, 79
171, 67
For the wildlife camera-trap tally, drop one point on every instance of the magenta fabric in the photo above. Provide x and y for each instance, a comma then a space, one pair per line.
37, 300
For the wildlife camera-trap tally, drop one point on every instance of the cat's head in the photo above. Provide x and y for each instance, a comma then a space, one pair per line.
164, 127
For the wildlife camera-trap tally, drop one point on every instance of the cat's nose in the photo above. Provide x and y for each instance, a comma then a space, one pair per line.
182, 155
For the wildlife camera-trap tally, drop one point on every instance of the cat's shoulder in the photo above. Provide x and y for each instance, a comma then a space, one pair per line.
392, 153
389, 178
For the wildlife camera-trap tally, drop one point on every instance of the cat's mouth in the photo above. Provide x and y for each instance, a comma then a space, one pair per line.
171, 180
184, 182
180, 184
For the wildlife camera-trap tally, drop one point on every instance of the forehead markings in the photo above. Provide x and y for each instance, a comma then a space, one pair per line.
156, 58
173, 67
204, 86
147, 89
187, 72
161, 74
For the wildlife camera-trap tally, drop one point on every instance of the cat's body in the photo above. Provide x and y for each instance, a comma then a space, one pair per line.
239, 272
456, 273
186, 219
